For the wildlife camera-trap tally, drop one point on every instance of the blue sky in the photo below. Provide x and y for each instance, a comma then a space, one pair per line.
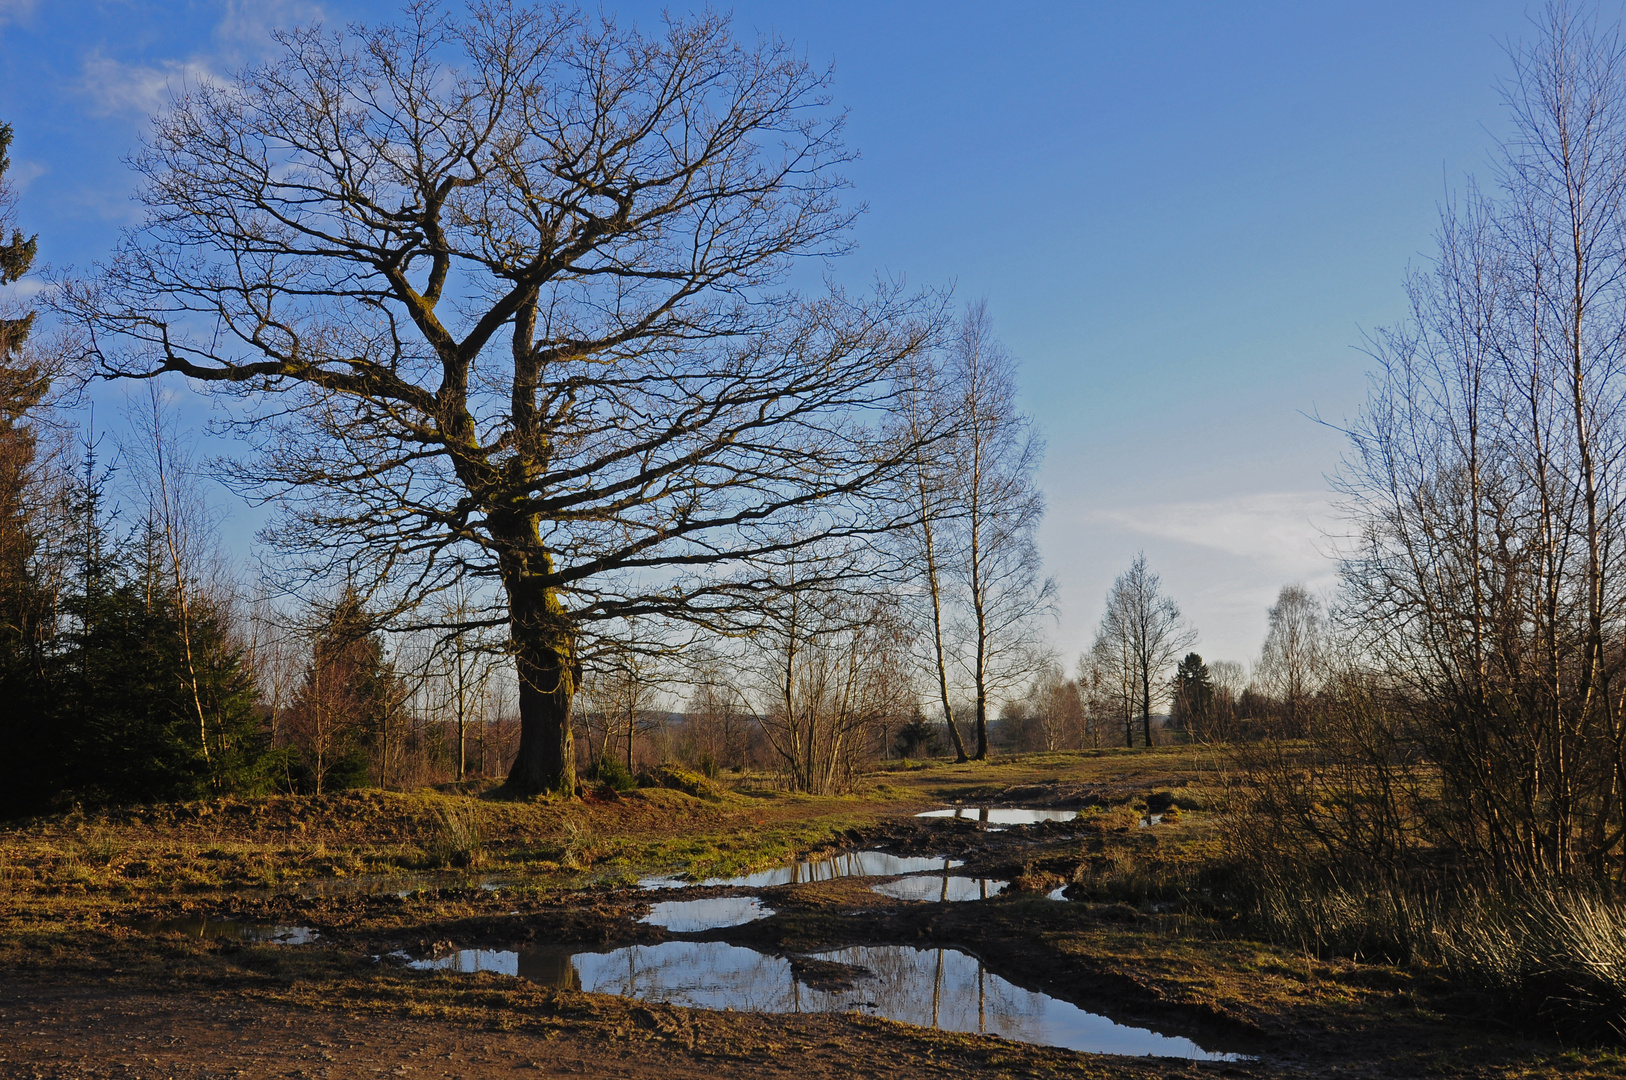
1182, 216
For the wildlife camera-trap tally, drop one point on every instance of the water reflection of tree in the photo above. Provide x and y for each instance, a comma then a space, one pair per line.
550, 967
944, 988
700, 974
940, 988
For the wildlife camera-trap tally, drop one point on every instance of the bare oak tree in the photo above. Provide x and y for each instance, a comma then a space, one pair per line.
499, 295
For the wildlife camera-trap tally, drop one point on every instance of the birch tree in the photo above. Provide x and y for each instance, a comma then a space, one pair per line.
996, 507
1142, 635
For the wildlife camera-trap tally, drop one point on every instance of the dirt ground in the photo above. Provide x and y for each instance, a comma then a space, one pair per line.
88, 987
51, 1030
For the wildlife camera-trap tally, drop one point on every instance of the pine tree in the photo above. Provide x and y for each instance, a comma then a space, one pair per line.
124, 693
27, 596
16, 255
1193, 696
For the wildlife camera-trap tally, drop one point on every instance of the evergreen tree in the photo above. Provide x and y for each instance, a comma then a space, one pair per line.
112, 718
16, 256
124, 693
27, 597
1193, 696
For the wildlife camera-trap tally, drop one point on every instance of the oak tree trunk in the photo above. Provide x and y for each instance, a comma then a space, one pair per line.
543, 641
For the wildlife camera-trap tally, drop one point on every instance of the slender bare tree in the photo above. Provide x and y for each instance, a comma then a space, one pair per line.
718, 713
930, 487
463, 658
498, 295
831, 664
1141, 637
178, 519
996, 505
1294, 659
1488, 473
620, 688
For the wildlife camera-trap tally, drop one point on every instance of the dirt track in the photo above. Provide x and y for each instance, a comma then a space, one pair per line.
76, 1032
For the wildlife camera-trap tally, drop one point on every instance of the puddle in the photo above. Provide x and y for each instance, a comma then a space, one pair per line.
852, 864
232, 930
1151, 819
499, 961
1058, 893
940, 988
944, 888
691, 916
1001, 815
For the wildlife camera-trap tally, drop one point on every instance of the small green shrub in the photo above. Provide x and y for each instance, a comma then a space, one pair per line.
613, 774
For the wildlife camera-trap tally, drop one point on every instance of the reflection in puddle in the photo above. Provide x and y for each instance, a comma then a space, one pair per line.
1058, 893
944, 888
232, 930
1001, 815
939, 988
499, 961
852, 864
691, 916
1151, 819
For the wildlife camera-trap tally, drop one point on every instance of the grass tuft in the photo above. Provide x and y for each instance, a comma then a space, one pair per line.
457, 835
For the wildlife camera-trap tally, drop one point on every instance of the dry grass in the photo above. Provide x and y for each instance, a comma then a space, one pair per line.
1149, 916
457, 835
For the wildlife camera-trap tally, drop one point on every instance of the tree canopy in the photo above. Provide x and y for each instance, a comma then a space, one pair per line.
501, 295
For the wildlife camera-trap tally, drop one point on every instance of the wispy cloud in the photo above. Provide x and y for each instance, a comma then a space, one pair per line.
23, 173
243, 35
1286, 531
15, 10
248, 23
120, 88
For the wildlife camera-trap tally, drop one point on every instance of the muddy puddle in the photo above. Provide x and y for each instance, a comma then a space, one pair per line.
852, 864
943, 889
714, 913
939, 988
231, 930
1000, 815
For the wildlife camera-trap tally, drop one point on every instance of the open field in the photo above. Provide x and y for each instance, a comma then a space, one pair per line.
1146, 937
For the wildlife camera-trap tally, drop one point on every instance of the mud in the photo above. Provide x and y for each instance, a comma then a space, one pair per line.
533, 934
112, 970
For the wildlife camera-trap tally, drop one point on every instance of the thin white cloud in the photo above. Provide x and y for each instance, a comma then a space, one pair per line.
27, 289
22, 173
248, 23
118, 88
15, 10
1285, 531
243, 35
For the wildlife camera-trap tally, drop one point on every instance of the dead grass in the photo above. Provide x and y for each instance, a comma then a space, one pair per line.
1148, 922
